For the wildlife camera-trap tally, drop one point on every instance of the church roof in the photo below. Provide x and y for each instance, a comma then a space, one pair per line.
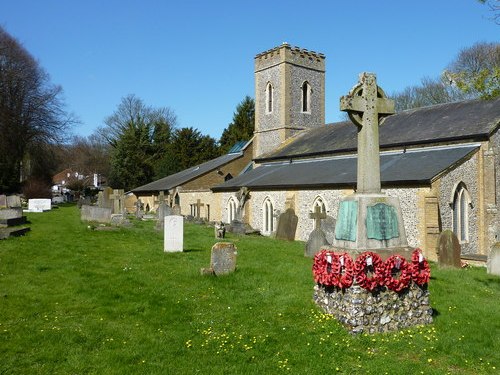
191, 173
471, 121
411, 167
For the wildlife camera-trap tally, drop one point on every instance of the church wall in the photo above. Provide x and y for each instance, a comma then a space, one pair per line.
467, 173
495, 220
257, 201
211, 203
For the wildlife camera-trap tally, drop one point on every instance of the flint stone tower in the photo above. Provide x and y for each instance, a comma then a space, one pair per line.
289, 95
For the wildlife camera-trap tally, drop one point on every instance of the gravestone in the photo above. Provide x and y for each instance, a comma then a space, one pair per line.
163, 210
106, 200
448, 250
97, 214
173, 233
3, 201
222, 259
39, 205
328, 227
117, 201
493, 263
13, 201
198, 205
317, 237
138, 209
12, 216
176, 209
287, 225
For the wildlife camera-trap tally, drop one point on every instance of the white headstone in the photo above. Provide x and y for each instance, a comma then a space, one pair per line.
173, 233
493, 265
39, 205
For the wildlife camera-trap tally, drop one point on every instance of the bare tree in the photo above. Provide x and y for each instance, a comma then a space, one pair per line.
31, 111
494, 6
476, 70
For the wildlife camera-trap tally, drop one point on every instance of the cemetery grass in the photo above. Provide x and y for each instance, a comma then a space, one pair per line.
79, 301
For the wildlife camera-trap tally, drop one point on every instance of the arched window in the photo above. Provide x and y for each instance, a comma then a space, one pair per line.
177, 199
460, 207
306, 97
267, 217
269, 98
231, 210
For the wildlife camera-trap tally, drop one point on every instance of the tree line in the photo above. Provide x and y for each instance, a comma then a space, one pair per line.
139, 143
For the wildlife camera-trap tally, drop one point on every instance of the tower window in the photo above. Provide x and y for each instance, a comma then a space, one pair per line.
269, 98
306, 97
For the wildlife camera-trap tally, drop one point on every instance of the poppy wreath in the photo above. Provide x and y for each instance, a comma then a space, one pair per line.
369, 262
323, 267
395, 264
343, 271
420, 270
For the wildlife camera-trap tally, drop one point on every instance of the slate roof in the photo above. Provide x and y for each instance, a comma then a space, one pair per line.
413, 167
471, 121
189, 174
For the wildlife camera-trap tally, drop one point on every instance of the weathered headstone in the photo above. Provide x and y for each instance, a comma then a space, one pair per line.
3, 201
58, 199
13, 201
493, 264
138, 209
222, 259
287, 225
173, 233
118, 201
176, 210
39, 205
163, 210
106, 200
317, 237
97, 214
12, 216
448, 249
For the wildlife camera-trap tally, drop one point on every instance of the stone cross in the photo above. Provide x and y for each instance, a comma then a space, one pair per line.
161, 197
366, 104
117, 198
198, 207
317, 215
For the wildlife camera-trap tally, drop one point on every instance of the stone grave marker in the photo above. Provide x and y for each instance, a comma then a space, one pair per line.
138, 209
317, 237
117, 199
163, 210
13, 201
287, 225
493, 264
220, 230
222, 259
173, 233
97, 214
39, 205
3, 201
448, 249
106, 200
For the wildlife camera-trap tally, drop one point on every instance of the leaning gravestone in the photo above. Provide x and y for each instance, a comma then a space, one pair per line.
3, 201
222, 259
39, 205
448, 249
493, 265
173, 234
287, 225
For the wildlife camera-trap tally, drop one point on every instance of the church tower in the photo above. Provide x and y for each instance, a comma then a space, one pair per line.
289, 95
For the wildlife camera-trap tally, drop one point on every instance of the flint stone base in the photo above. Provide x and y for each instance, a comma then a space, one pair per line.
382, 310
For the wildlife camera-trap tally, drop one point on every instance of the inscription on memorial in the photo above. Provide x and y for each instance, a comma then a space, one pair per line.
347, 221
381, 222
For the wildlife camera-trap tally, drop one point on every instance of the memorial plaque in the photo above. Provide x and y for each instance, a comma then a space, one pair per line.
381, 222
347, 221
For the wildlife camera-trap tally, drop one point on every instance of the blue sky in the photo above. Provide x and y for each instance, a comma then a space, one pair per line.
196, 57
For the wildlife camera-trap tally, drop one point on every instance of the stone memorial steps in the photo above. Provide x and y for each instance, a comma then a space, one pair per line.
13, 221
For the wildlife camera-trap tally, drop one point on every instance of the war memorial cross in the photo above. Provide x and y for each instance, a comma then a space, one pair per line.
366, 104
317, 215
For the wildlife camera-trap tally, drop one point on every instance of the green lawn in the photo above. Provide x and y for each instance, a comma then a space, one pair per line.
78, 301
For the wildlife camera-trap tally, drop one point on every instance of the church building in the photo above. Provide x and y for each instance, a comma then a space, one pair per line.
441, 161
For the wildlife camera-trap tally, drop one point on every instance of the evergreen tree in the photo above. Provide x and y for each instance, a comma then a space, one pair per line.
242, 126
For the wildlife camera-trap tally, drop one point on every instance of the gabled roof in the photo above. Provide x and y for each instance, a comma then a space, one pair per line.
413, 167
189, 174
469, 121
